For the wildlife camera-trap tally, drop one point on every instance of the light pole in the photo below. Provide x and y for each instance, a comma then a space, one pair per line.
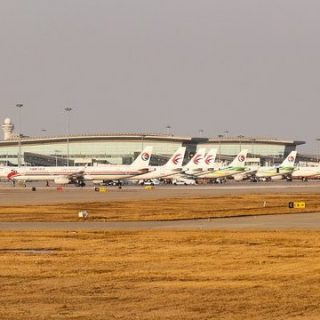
56, 155
168, 127
252, 147
142, 141
201, 132
220, 136
19, 106
67, 110
240, 140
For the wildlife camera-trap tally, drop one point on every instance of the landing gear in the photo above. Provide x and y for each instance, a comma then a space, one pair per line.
81, 183
119, 184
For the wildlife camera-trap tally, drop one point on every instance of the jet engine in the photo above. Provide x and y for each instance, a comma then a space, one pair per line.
61, 180
239, 177
276, 178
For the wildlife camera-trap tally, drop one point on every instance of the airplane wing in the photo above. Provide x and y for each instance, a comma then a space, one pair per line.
177, 170
144, 170
196, 170
73, 176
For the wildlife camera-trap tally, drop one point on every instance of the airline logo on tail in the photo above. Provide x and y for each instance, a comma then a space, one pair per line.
12, 174
289, 161
145, 156
177, 158
209, 159
197, 159
239, 160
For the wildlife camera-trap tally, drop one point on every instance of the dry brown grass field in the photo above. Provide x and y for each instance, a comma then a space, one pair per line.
164, 209
160, 275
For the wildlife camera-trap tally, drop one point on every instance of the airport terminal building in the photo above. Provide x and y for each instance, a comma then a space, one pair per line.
123, 148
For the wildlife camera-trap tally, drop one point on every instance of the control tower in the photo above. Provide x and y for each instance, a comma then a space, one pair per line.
7, 128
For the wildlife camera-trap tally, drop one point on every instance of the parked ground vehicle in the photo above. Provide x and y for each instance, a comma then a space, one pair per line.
183, 181
151, 182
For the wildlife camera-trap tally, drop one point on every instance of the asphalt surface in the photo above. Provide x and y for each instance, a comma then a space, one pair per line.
307, 221
10, 196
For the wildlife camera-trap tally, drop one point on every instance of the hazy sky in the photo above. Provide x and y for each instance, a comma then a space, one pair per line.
251, 67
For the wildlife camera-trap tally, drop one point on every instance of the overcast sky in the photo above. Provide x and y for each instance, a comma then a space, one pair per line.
247, 66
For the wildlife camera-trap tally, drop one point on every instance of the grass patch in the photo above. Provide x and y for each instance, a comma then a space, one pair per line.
160, 275
164, 209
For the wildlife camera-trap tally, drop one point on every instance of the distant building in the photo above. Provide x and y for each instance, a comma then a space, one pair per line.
123, 148
7, 129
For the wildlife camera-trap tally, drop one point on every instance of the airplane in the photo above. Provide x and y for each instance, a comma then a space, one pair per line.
235, 167
306, 172
74, 174
284, 170
208, 163
248, 173
195, 164
59, 175
173, 166
199, 164
108, 172
192, 167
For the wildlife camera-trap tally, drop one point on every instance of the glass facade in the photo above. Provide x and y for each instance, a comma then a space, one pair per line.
123, 149
258, 149
111, 151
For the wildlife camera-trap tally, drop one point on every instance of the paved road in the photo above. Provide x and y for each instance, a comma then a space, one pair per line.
10, 196
307, 221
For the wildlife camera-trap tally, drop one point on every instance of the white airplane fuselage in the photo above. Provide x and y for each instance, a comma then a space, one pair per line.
223, 172
111, 172
306, 172
156, 173
247, 173
67, 174
41, 173
269, 172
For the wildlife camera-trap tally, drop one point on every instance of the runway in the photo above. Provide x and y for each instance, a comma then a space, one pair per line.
307, 221
10, 196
